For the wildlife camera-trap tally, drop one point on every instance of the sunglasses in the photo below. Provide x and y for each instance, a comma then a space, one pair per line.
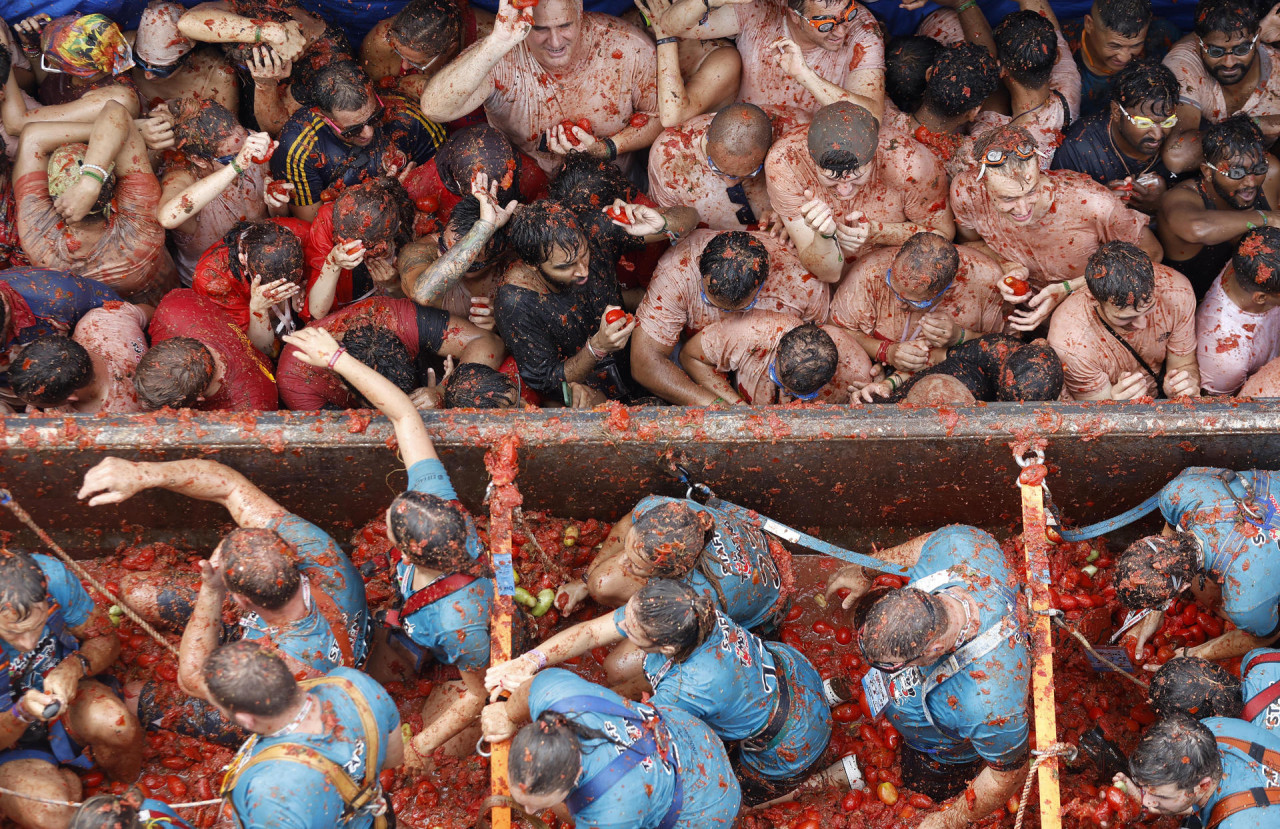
1142, 122
742, 310
773, 375
1237, 173
1239, 50
712, 164
919, 306
159, 71
420, 67
826, 22
738, 195
352, 132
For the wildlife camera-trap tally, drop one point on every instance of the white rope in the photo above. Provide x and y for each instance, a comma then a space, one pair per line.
196, 804
1054, 750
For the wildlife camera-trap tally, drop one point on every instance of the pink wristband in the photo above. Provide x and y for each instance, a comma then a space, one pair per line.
333, 361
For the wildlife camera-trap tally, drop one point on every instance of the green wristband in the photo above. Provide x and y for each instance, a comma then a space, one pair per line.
92, 174
1066, 283
963, 7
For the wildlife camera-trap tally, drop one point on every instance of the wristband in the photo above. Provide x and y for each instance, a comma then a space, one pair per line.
235, 166
20, 714
540, 656
882, 354
965, 6
663, 41
333, 361
719, 400
593, 351
93, 174
893, 383
961, 340
1265, 219
84, 662
610, 148
1248, 225
102, 171
257, 34
1066, 283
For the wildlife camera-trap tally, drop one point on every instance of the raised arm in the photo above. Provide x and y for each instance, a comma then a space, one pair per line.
181, 203
857, 579
115, 480
464, 83
446, 271
702, 19
86, 108
216, 23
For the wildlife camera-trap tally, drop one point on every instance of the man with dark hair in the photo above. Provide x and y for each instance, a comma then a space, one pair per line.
351, 247
714, 163
1199, 688
49, 371
906, 69
1040, 227
709, 277
350, 133
1219, 771
422, 333
775, 358
201, 359
1111, 36
57, 710
1121, 147
1224, 70
1132, 334
1027, 46
838, 196
403, 51
994, 367
1238, 323
951, 668
319, 746
907, 305
476, 386
1238, 189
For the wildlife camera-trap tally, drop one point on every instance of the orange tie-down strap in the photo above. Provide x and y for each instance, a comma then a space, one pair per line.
504, 500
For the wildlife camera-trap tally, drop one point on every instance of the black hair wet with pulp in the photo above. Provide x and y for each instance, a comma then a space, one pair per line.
929, 254
807, 358
1178, 750
480, 148
899, 626
587, 181
1126, 18
1196, 687
367, 212
1031, 372
340, 85
1122, 274
477, 386
429, 26
1234, 18
260, 565
1027, 46
1256, 263
272, 251
1146, 82
23, 584
842, 137
964, 75
1232, 138
174, 373
381, 350
49, 369
199, 126
734, 264
907, 60
671, 613
247, 679
535, 230
1147, 570
430, 531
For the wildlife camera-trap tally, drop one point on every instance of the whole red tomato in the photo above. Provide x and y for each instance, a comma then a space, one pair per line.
427, 203
613, 315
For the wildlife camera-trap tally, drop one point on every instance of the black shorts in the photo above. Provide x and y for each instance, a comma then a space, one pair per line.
190, 717
940, 781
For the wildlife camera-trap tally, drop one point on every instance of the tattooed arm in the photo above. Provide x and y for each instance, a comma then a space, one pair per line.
435, 280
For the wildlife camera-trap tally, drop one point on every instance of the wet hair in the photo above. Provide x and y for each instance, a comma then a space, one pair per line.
199, 126
273, 252
1007, 138
1196, 687
671, 613
480, 148
1031, 372
1126, 18
431, 531
340, 85
900, 626
546, 755
842, 137
367, 212
23, 584
1178, 749
1255, 265
1027, 46
464, 215
735, 264
534, 230
741, 128
963, 77
1230, 17
248, 679
1121, 274
807, 358
261, 566
476, 386
672, 536
174, 373
6, 63
1146, 572
49, 369
429, 26
587, 181
107, 811
907, 61
1234, 137
1146, 82
381, 350
938, 390
930, 255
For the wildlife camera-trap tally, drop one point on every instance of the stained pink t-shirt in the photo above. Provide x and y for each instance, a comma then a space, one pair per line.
1083, 215
616, 77
673, 304
1232, 343
747, 345
1093, 359
1198, 88
679, 175
1266, 383
115, 336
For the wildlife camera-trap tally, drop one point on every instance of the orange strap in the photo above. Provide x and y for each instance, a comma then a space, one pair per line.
1250, 798
329, 610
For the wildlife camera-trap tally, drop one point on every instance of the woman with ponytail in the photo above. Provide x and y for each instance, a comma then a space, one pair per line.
443, 579
131, 810
692, 654
611, 763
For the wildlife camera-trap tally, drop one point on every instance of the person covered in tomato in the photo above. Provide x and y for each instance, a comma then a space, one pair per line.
169, 65
612, 763
1041, 228
1201, 689
775, 359
1213, 770
403, 52
200, 359
351, 247
1218, 527
83, 61
1238, 324
1111, 37
555, 79
839, 195
36, 302
476, 386
131, 810
318, 748
951, 668
255, 275
398, 339
55, 644
1132, 333
296, 591
693, 652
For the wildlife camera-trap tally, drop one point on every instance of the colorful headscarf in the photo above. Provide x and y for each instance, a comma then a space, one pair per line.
159, 43
85, 46
65, 169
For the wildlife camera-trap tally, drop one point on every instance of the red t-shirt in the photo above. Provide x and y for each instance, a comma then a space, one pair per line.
425, 181
248, 384
213, 279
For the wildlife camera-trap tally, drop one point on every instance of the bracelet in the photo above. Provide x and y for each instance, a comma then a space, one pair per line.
257, 34
102, 171
965, 6
825, 236
20, 714
593, 351
93, 174
663, 41
540, 656
882, 354
1066, 283
610, 148
1265, 219
1249, 226
961, 340
719, 400
893, 382
333, 361
84, 662
235, 166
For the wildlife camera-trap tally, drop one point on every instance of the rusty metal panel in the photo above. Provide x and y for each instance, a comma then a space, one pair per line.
854, 474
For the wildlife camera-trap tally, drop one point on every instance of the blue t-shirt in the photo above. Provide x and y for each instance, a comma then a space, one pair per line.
1246, 562
1240, 773
454, 628
156, 814
58, 299
310, 640
641, 797
75, 606
982, 710
732, 657
1256, 678
283, 794
739, 556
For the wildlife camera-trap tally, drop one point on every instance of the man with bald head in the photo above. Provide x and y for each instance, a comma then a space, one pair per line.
543, 67
837, 195
714, 163
907, 305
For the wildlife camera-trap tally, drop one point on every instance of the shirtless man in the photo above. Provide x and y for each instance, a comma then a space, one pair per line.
542, 68
799, 56
694, 76
1003, 202
839, 189
1132, 334
170, 65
